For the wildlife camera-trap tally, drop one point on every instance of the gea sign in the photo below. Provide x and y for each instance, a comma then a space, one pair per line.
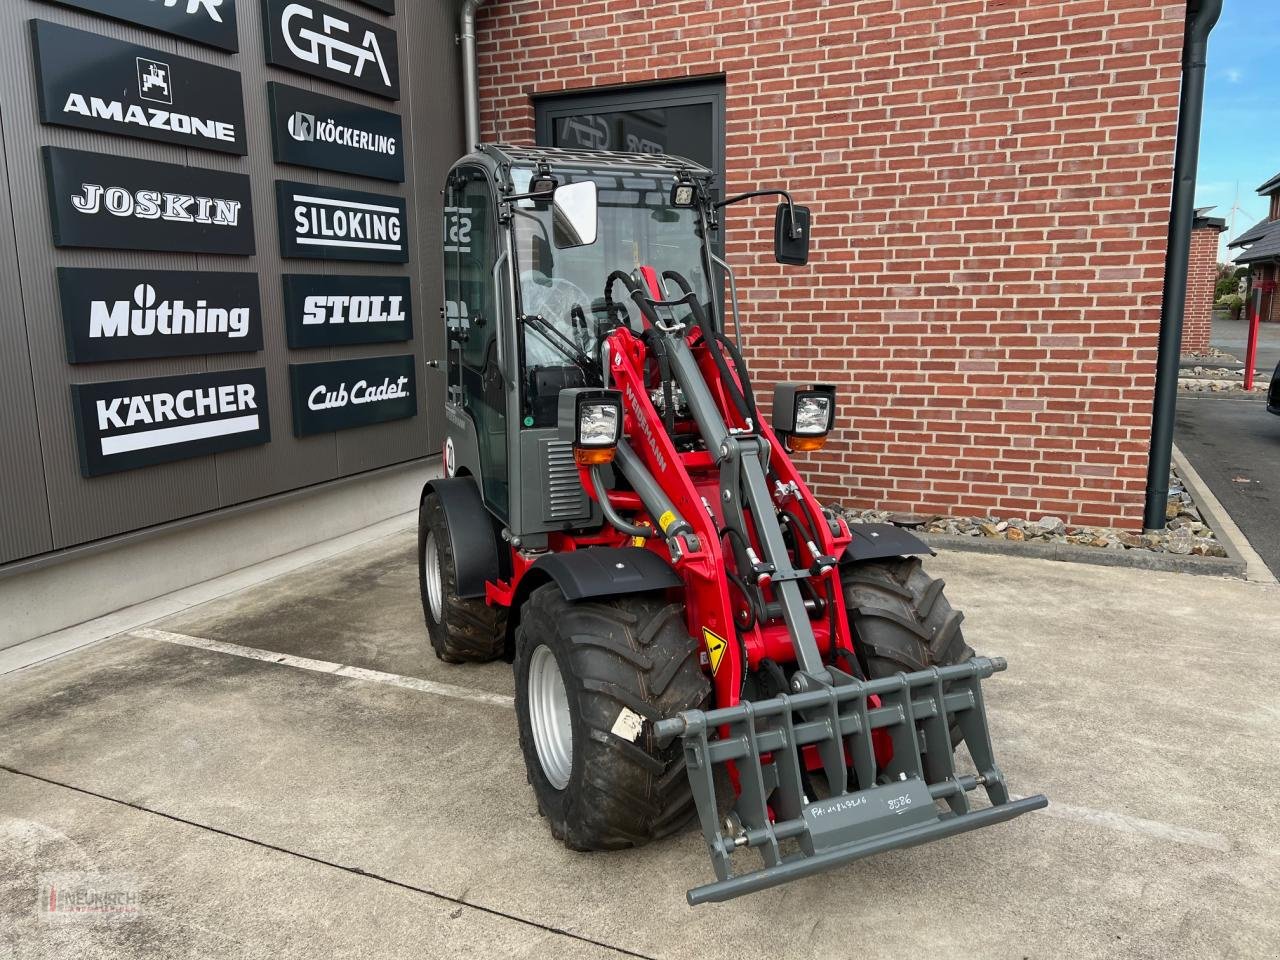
102, 84
310, 130
139, 423
96, 200
141, 314
211, 22
334, 224
326, 311
351, 393
323, 41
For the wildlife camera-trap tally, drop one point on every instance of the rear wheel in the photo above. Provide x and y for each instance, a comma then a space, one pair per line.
591, 678
460, 629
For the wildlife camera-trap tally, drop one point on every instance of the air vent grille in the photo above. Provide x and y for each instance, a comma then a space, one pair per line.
565, 500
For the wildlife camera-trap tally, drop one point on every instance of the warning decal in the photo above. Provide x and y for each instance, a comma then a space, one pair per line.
716, 647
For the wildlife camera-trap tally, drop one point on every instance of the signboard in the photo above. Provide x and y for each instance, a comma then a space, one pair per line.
311, 130
142, 314
99, 200
342, 394
211, 22
98, 83
386, 6
139, 423
327, 311
327, 42
335, 224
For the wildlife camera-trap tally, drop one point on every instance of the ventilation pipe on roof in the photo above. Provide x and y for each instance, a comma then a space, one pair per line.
1201, 17
470, 73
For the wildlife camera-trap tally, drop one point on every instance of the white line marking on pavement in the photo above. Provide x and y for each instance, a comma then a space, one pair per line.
325, 666
1123, 823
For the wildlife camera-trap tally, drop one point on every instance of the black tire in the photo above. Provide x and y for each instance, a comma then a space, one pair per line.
461, 630
632, 653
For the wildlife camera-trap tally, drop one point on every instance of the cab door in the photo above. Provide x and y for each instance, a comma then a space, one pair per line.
477, 387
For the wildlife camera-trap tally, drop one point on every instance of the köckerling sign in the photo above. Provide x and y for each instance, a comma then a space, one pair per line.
97, 83
351, 393
142, 314
311, 130
139, 423
211, 22
334, 224
327, 42
98, 200
327, 310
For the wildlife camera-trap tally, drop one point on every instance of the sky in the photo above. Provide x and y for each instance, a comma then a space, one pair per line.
1240, 142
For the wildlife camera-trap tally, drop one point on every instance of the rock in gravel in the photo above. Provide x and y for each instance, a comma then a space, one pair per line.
1132, 541
1180, 541
1002, 526
1052, 525
907, 519
1015, 533
991, 530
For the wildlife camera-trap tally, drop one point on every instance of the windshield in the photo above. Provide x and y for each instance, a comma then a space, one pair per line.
565, 285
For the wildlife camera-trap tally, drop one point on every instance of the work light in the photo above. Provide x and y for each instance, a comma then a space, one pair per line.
804, 415
595, 419
683, 194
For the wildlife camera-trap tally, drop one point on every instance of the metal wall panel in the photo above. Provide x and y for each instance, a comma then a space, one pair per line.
77, 510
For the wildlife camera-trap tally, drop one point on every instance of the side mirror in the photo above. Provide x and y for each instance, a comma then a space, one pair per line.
575, 214
791, 241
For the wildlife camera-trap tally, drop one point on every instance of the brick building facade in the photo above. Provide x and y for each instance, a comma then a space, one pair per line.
1259, 248
1202, 282
990, 187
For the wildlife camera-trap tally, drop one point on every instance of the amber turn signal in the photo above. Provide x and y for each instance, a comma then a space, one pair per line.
593, 456
798, 444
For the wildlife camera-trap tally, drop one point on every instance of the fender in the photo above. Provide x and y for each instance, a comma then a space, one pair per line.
471, 536
876, 541
607, 571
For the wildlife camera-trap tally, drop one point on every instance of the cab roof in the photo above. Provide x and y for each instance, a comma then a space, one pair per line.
594, 160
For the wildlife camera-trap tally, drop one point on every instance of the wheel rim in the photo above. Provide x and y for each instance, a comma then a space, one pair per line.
431, 573
549, 717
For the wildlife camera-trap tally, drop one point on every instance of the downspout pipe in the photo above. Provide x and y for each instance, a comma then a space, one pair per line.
1202, 15
470, 72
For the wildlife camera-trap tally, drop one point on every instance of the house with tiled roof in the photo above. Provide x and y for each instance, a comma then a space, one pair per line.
1259, 248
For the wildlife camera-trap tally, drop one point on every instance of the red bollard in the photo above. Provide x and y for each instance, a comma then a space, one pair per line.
1251, 354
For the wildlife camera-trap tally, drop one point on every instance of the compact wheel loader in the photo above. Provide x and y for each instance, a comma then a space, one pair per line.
691, 631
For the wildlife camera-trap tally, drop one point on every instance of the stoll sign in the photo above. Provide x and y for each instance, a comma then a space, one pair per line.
94, 82
311, 130
327, 42
97, 200
351, 393
211, 22
139, 423
327, 311
335, 224
141, 314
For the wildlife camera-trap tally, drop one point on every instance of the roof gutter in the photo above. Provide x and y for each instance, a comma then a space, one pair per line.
1201, 17
470, 73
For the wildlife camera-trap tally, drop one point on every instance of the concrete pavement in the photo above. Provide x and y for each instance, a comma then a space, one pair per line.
1233, 337
290, 809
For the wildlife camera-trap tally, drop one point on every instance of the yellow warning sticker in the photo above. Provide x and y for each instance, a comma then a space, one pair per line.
716, 647
639, 541
666, 520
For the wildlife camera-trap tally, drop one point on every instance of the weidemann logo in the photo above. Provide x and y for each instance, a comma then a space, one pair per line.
326, 222
305, 128
324, 398
147, 315
334, 40
231, 404
321, 310
156, 205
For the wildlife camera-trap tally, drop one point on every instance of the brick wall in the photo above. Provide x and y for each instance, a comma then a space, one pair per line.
990, 182
1202, 279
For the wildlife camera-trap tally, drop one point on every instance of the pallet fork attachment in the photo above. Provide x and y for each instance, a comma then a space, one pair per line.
867, 809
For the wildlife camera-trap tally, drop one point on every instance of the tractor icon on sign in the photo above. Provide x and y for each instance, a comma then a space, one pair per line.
154, 82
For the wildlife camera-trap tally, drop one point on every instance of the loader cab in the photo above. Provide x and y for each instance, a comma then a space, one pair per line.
526, 307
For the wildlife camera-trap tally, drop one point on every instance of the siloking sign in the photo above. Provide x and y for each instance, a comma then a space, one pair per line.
342, 394
310, 130
330, 223
211, 22
140, 423
98, 200
98, 83
327, 42
142, 314
327, 311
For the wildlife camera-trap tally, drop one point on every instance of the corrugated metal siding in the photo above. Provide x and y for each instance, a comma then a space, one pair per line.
79, 510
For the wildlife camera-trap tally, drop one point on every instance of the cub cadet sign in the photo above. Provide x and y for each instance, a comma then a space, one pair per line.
211, 22
97, 83
139, 423
323, 41
351, 393
334, 224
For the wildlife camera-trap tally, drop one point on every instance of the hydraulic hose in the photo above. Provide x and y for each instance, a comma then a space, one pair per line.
611, 515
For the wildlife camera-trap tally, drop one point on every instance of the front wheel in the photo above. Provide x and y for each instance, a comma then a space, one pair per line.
591, 679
